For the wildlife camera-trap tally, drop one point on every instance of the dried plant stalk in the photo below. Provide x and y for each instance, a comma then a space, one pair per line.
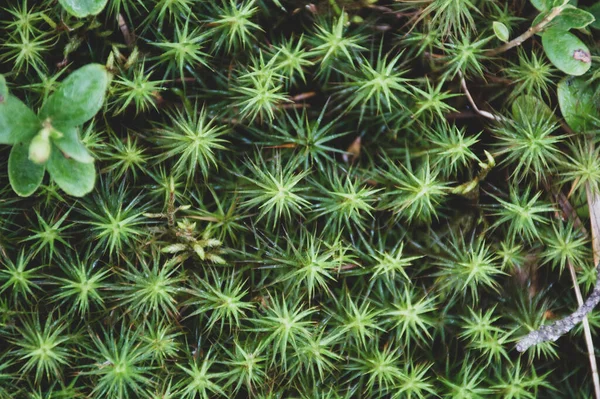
554, 331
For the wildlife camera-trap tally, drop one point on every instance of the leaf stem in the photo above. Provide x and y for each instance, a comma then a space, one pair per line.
485, 114
528, 33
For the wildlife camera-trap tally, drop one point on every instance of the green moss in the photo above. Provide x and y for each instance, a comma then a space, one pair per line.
297, 200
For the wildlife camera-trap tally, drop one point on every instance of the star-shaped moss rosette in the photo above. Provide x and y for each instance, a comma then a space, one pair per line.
50, 140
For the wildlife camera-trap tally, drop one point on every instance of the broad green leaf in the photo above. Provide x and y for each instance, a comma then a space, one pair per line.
24, 176
83, 8
17, 122
545, 5
595, 11
566, 52
528, 107
79, 97
572, 18
577, 105
74, 178
501, 31
71, 145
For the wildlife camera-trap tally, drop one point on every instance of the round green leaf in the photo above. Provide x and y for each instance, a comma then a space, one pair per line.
71, 145
501, 31
83, 8
17, 122
566, 52
79, 97
24, 176
577, 105
528, 107
74, 178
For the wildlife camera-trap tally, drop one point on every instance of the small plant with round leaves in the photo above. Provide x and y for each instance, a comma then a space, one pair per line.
50, 140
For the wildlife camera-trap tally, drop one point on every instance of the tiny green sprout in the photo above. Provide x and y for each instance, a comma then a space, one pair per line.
43, 346
193, 139
452, 17
275, 190
48, 234
24, 19
515, 382
200, 380
119, 364
25, 50
170, 11
18, 278
378, 85
50, 140
358, 322
150, 289
411, 318
523, 214
39, 148
190, 242
286, 327
114, 221
221, 299
465, 56
332, 44
533, 74
233, 28
416, 194
380, 368
246, 364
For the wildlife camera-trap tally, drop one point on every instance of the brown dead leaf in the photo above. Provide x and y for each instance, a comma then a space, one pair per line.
353, 151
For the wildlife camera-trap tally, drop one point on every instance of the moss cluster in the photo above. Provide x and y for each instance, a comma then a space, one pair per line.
295, 199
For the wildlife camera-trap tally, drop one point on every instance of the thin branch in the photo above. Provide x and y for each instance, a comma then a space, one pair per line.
555, 330
528, 33
593, 206
570, 213
129, 39
587, 333
485, 114
552, 332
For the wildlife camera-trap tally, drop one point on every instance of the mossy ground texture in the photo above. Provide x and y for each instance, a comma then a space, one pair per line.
295, 199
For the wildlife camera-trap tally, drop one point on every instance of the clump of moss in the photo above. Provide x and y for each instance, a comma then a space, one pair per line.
334, 199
